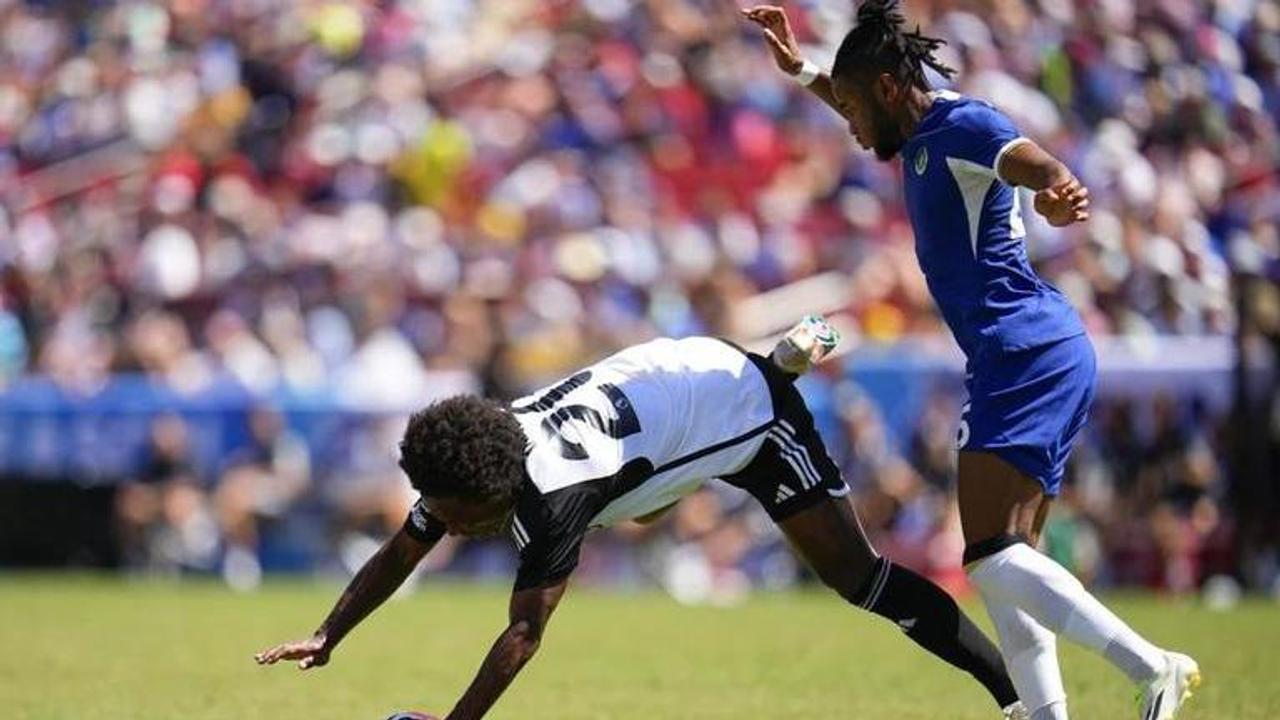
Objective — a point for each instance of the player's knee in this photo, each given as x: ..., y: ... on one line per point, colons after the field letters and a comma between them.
x: 527, y: 637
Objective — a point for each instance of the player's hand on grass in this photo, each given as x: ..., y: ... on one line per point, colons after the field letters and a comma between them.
x: 312, y: 652
x: 777, y: 31
x: 1064, y: 204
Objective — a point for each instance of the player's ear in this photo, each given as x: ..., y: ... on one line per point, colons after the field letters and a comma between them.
x: 886, y: 88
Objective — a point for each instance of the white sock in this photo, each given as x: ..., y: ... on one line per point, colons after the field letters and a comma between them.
x: 1053, y: 711
x: 1031, y: 656
x: 1020, y: 576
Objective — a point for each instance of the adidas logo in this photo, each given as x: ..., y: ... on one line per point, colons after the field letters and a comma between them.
x: 784, y: 493
x: 906, y: 624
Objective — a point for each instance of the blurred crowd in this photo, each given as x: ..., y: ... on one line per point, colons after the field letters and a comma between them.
x: 1145, y: 504
x: 355, y: 195
x: 285, y: 191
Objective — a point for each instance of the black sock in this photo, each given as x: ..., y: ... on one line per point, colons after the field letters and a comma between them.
x: 931, y: 618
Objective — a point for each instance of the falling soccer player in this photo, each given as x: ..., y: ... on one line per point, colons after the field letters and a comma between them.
x: 625, y: 439
x: 1031, y: 367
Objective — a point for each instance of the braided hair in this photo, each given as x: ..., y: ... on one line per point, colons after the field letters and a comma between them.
x: 879, y: 43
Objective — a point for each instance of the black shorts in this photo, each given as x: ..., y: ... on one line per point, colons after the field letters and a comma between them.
x: 792, y: 470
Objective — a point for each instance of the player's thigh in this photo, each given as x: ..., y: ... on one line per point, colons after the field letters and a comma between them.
x: 996, y: 498
x: 829, y: 537
x: 798, y: 484
x: 1025, y: 411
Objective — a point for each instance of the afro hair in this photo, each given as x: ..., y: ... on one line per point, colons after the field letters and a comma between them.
x: 464, y: 447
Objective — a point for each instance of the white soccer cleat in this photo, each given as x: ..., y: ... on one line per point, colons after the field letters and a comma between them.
x: 1017, y: 711
x: 1162, y: 697
x: 805, y: 345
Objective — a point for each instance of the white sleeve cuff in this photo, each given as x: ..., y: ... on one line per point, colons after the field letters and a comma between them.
x: 995, y: 166
x: 809, y: 72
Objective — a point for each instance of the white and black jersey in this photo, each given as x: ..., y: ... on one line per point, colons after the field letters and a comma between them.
x: 645, y: 427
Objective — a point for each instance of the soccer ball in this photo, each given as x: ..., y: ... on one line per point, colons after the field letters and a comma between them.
x: 410, y: 715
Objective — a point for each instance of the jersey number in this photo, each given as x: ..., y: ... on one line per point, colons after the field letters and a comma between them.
x: 620, y: 424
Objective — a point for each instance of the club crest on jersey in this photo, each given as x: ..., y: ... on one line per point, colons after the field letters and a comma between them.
x: 922, y: 160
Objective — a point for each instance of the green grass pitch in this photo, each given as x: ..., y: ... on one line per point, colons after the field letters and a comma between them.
x: 86, y: 648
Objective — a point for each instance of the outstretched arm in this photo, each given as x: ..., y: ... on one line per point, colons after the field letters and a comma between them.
x: 380, y: 576
x: 786, y: 52
x: 1060, y: 197
x: 530, y: 610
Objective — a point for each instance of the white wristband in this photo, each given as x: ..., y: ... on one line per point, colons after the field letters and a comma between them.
x: 808, y: 73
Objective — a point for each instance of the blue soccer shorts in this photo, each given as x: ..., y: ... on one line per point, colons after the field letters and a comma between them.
x: 1028, y: 406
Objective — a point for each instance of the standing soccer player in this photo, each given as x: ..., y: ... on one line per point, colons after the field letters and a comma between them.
x: 1030, y: 374
x: 625, y: 439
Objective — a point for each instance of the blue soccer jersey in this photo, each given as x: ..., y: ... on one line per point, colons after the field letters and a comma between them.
x: 969, y: 231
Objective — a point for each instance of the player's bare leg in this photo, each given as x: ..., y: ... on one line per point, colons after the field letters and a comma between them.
x: 1029, y: 596
x: 830, y: 538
